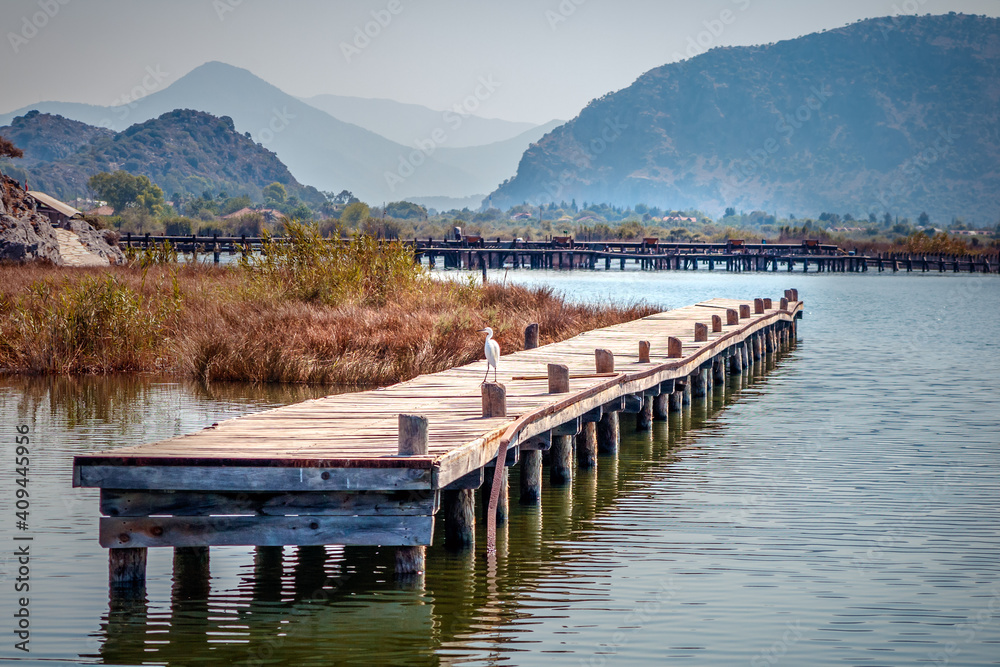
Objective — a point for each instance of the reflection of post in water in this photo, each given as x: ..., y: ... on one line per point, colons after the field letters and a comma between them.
x: 125, y: 627
x: 309, y: 574
x: 267, y: 572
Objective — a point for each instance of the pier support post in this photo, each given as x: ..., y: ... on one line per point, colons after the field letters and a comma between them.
x: 586, y: 446
x: 127, y: 572
x: 644, y: 420
x: 561, y: 462
x: 661, y: 406
x: 411, y: 441
x: 531, y: 477
x: 486, y: 490
x: 736, y: 362
x: 459, y: 508
x: 676, y: 400
x: 719, y: 370
x: 608, y: 435
x: 698, y: 384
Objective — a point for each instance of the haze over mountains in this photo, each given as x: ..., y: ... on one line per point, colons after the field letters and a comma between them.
x: 321, y: 150
x: 899, y: 114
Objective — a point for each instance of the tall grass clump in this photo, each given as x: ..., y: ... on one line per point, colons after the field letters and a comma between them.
x: 97, y: 324
x: 304, y: 266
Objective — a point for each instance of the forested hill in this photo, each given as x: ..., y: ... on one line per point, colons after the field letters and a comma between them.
x: 900, y: 114
x: 182, y: 151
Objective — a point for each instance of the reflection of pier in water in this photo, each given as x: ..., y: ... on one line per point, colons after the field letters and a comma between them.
x: 346, y: 602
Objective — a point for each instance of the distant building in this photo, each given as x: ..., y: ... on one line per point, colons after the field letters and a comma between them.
x: 268, y: 213
x: 58, y: 213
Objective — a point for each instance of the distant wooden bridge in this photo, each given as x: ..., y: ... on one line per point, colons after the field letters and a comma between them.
x: 375, y: 467
x: 564, y: 253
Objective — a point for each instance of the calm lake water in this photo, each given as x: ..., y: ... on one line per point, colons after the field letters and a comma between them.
x: 843, y: 509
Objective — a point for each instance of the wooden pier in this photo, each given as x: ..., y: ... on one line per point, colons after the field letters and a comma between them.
x: 476, y: 253
x: 377, y: 467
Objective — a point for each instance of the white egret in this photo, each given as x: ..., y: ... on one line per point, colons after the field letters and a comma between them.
x: 492, y: 349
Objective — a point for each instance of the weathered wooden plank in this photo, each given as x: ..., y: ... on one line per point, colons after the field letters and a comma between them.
x: 215, y: 478
x: 201, y: 531
x: 120, y: 502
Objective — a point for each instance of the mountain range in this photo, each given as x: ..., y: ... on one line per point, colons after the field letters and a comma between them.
x: 181, y: 151
x: 327, y: 152
x: 898, y: 115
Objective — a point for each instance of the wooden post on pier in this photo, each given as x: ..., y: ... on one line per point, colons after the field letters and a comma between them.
x: 700, y: 332
x: 127, y: 573
x: 716, y: 324
x: 558, y: 378
x: 644, y: 419
x: 676, y: 401
x: 661, y: 404
x: 561, y: 460
x: 675, y: 348
x: 758, y: 306
x: 411, y: 441
x: 531, y: 336
x: 698, y: 384
x: 732, y: 317
x: 736, y: 363
x: 486, y: 492
x: 531, y: 477
x: 494, y: 399
x: 744, y: 311
x: 719, y: 370
x: 643, y: 351
x: 608, y: 435
x: 604, y: 361
x: 586, y: 446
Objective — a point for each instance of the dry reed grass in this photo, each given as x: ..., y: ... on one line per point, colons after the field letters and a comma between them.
x: 227, y: 324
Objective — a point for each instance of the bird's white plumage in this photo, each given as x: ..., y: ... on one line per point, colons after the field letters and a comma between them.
x: 492, y: 350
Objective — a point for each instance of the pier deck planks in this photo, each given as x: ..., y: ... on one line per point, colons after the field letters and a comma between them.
x: 358, y: 430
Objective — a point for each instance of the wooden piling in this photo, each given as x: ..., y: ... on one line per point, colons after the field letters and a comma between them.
x: 531, y: 477
x: 736, y: 363
x: 608, y: 435
x: 643, y: 351
x: 459, y: 508
x: 561, y: 461
x: 700, y: 332
x: 127, y: 572
x: 191, y: 573
x: 644, y: 420
x: 758, y: 306
x: 716, y: 324
x: 661, y: 406
x: 586, y: 446
x: 486, y: 491
x: 732, y: 317
x: 719, y: 370
x: 744, y: 311
x: 698, y: 389
x: 676, y: 401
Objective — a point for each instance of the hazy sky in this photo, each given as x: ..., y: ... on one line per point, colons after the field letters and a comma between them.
x: 543, y: 59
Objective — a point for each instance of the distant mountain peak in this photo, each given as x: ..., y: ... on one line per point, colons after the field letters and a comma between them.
x: 898, y: 114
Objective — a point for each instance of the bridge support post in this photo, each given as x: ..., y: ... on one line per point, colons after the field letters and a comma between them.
x: 561, y: 462
x: 531, y: 477
x: 661, y: 406
x: 719, y: 370
x: 644, y: 420
x: 459, y: 508
x: 736, y: 362
x: 698, y: 384
x: 608, y: 435
x: 127, y: 573
x: 486, y: 490
x: 586, y: 446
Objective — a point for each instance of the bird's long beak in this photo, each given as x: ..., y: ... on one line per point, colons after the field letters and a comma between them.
x: 482, y: 331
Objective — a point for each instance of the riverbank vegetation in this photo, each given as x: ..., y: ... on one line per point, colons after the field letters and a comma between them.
x: 353, y: 312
